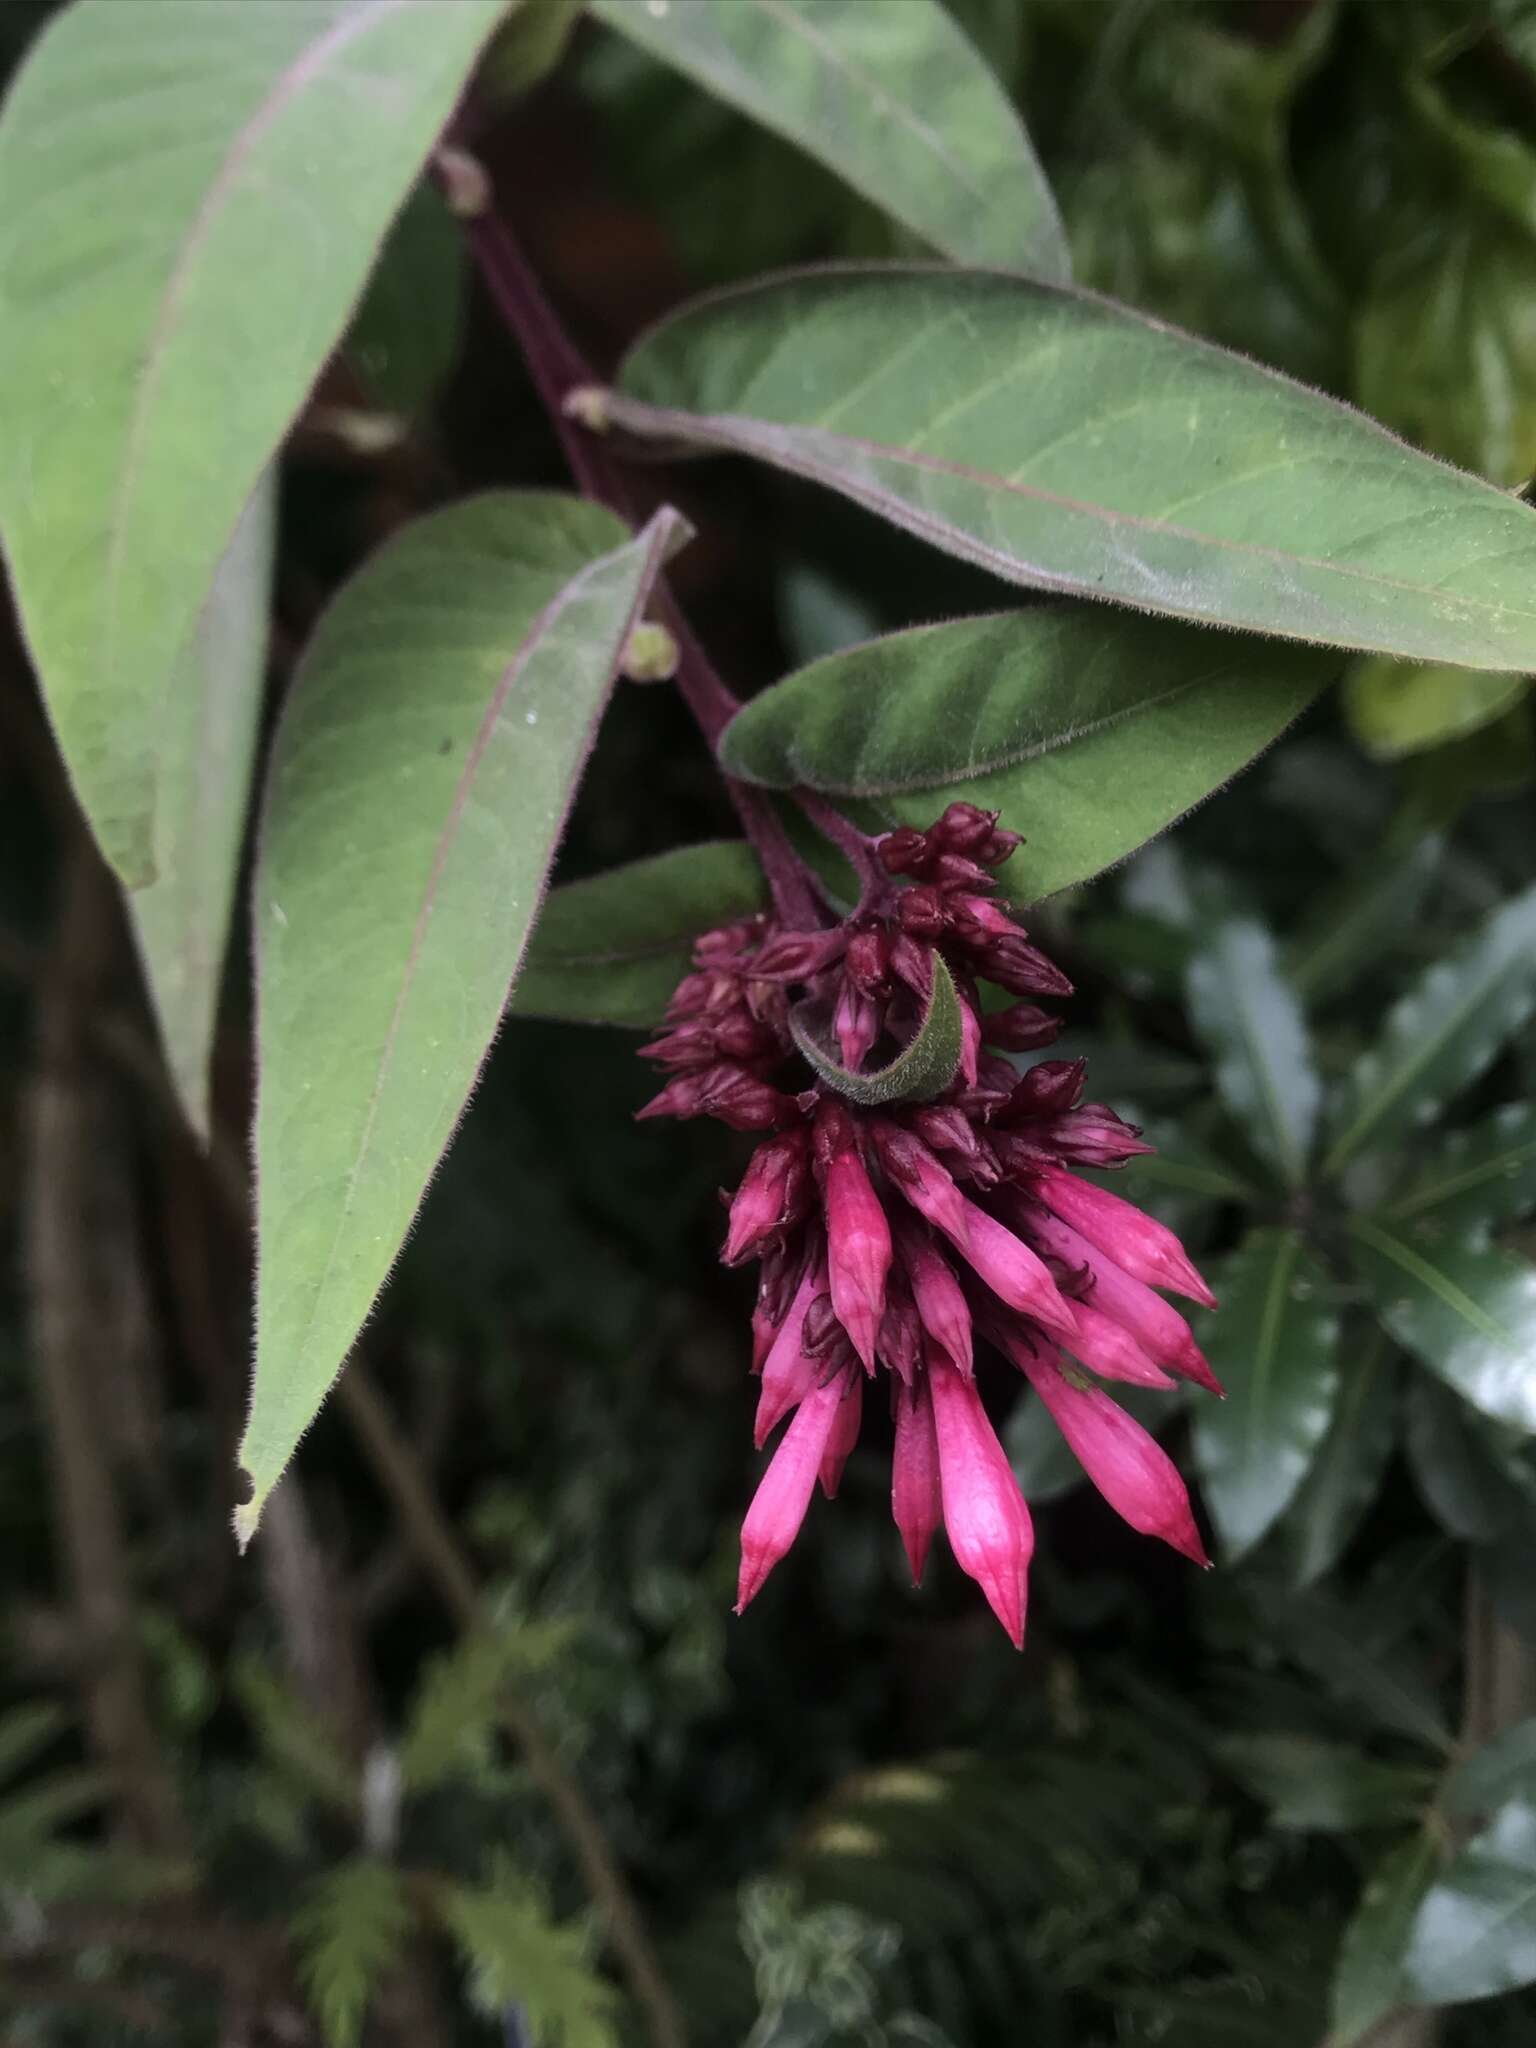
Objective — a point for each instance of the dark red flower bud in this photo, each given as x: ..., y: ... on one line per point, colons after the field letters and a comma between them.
x: 1047, y: 1089
x: 955, y: 871
x: 746, y: 1038
x: 912, y: 964
x: 774, y: 1194
x: 1024, y: 1028
x: 797, y: 956
x: 1021, y: 968
x: 1095, y: 1136
x: 963, y: 827
x: 904, y: 851
x: 920, y: 911
x: 945, y: 1129
x: 868, y: 963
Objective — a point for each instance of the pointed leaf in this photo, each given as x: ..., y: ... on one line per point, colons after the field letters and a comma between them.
x: 923, y: 1068
x: 1475, y: 1933
x: 896, y: 100
x: 1501, y: 1770
x: 1442, y: 1033
x: 1467, y: 1310
x: 1060, y: 440
x: 436, y: 730
x: 348, y: 1933
x: 519, y: 1956
x: 1094, y: 728
x: 1249, y: 1016
x: 1273, y: 1345
x: 193, y: 196
x: 1368, y: 1982
x: 181, y: 921
x: 1348, y: 1469
x: 1479, y: 1179
x: 611, y: 949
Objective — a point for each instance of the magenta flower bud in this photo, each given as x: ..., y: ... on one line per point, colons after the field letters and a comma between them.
x: 784, y: 1492
x: 912, y: 964
x: 964, y: 827
x: 774, y: 1194
x: 940, y: 1302
x: 916, y: 1502
x: 946, y: 1130
x: 1143, y: 1247
x: 982, y: 911
x: 989, y: 1527
x: 858, y: 1235
x: 952, y: 871
x: 970, y: 1042
x: 1021, y: 968
x: 1132, y: 1471
x: 856, y: 1026
x: 901, y: 1332
x: 789, y: 1370
x: 797, y: 956
x: 1110, y: 1350
x: 1095, y: 1136
x: 920, y: 912
x: 845, y: 1434
x: 904, y: 851
x: 868, y: 963
x: 1023, y: 1028
x: 1047, y: 1089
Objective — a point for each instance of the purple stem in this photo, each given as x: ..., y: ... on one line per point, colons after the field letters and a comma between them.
x: 558, y: 368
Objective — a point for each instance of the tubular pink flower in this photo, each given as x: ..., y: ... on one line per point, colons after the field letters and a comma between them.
x: 845, y: 1434
x: 858, y: 1235
x: 984, y: 1512
x: 1146, y: 1249
x: 941, y: 1304
x: 772, y: 1194
x: 856, y: 1026
x: 1110, y: 1349
x: 788, y: 1373
x: 916, y: 1501
x: 784, y: 1492
x: 1132, y: 1471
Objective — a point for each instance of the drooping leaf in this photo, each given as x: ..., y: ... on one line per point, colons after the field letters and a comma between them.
x: 1400, y: 707
x: 1059, y: 440
x: 1477, y: 1179
x: 895, y: 100
x: 436, y: 730
x: 1273, y: 1345
x: 1330, y: 1787
x: 181, y: 921
x: 1089, y: 730
x: 405, y: 336
x: 519, y: 1956
x: 1475, y: 1932
x: 611, y: 949
x: 1369, y: 1982
x: 1467, y: 1310
x: 1462, y: 1480
x: 1347, y: 1470
x: 923, y: 1068
x: 1249, y: 1016
x: 1441, y: 1034
x: 348, y: 1933
x: 193, y: 196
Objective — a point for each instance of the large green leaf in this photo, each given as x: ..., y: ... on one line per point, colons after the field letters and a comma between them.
x: 1368, y: 1983
x: 181, y: 921
x: 1249, y: 1016
x: 1400, y: 707
x: 1089, y: 730
x: 611, y: 949
x: 192, y: 196
x: 1475, y: 1934
x: 1347, y: 1470
x: 436, y: 729
x: 1467, y: 1310
x: 894, y: 99
x: 1273, y: 1345
x: 1442, y: 1033
x: 1478, y: 1179
x: 1061, y: 440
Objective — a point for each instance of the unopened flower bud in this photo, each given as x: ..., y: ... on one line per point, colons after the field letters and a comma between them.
x: 858, y: 1235
x: 916, y: 1502
x: 920, y: 911
x: 1023, y: 1028
x: 784, y: 1492
x: 844, y: 1435
x: 774, y: 1193
x: 904, y: 851
x: 984, y: 1513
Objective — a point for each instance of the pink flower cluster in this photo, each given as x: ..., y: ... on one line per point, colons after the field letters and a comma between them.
x: 896, y: 1237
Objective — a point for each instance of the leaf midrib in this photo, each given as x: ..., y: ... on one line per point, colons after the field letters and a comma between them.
x: 1439, y: 1283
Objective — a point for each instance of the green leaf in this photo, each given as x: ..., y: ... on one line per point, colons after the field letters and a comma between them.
x: 1249, y: 1016
x: 1273, y: 1346
x: 611, y: 949
x: 518, y: 1956
x: 1330, y: 1787
x: 405, y: 338
x: 1060, y: 440
x: 1093, y: 728
x: 433, y: 739
x: 1400, y: 707
x: 194, y: 194
x: 1368, y: 1982
x: 1366, y: 913
x: 1478, y: 1179
x: 1475, y: 1933
x: 457, y: 1702
x: 25, y: 1730
x: 1442, y: 1034
x: 1501, y: 1770
x: 1347, y: 1471
x: 300, y: 1747
x: 896, y: 101
x: 348, y: 1933
x: 1467, y: 1310
x: 923, y: 1068
x: 1457, y: 1469
x: 181, y: 921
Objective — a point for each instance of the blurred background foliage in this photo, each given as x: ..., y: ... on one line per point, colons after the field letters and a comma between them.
x: 276, y: 1799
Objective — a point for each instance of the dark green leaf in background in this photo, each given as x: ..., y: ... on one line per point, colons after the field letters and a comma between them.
x: 1273, y: 1345
x: 894, y: 99
x: 1475, y: 1933
x: 612, y: 948
x: 1369, y: 1982
x: 1061, y: 441
x: 145, y: 153
x: 1401, y: 707
x: 1251, y: 1020
x: 1477, y: 1179
x: 1347, y: 1471
x: 1366, y: 913
x: 1089, y: 730
x: 431, y: 743
x: 1331, y: 1787
x: 1502, y: 1770
x: 1468, y: 1310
